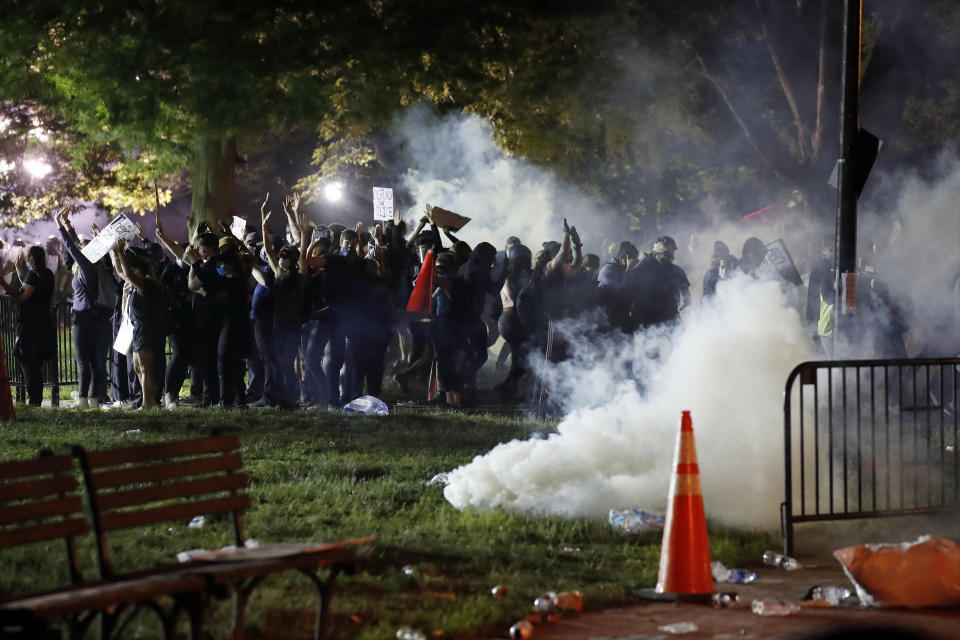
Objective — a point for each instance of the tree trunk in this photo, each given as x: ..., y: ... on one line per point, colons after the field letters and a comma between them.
x: 214, y: 178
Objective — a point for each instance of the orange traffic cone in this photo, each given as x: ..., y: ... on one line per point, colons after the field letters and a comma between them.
x: 421, y: 300
x: 685, y: 554
x: 6, y: 400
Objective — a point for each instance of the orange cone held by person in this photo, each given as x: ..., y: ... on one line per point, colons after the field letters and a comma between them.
x: 685, y: 554
x: 421, y: 300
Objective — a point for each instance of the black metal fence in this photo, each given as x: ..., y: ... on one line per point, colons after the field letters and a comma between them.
x: 61, y: 371
x: 870, y: 438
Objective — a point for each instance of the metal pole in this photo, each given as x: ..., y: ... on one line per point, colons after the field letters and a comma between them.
x: 846, y: 253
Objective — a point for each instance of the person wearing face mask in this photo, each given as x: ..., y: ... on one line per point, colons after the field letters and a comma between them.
x: 657, y: 288
x: 722, y: 265
x: 36, y: 328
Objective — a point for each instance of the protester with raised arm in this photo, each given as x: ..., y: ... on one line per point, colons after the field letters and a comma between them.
x: 94, y: 299
x: 144, y: 298
x: 287, y: 293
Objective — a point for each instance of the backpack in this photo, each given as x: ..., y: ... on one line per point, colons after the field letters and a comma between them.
x: 106, y: 288
x: 530, y: 300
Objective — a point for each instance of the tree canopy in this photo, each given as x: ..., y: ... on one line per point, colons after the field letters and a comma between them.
x: 647, y: 105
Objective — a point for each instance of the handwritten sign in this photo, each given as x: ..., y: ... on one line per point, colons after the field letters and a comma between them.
x: 120, y: 227
x: 779, y: 258
x: 382, y: 203
x: 238, y: 227
x: 446, y: 219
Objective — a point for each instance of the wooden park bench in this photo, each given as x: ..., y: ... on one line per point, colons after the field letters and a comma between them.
x: 39, y: 502
x: 142, y: 486
x: 177, y: 481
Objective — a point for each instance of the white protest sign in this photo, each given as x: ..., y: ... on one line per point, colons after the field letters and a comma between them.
x: 778, y: 256
x: 239, y: 227
x: 382, y: 203
x: 102, y: 243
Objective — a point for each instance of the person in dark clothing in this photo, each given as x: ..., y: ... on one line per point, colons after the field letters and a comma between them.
x: 143, y: 297
x: 722, y: 264
x: 454, y: 312
x: 477, y: 274
x: 511, y: 327
x: 91, y: 314
x: 36, y: 327
x: 657, y: 288
x: 206, y: 387
x: 610, y: 293
x: 287, y: 293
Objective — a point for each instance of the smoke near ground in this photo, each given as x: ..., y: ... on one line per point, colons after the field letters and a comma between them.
x: 614, y: 449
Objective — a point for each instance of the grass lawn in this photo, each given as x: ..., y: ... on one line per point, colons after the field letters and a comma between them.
x: 326, y: 476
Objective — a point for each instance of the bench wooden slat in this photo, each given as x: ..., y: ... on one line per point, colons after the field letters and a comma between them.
x: 113, y: 457
x: 51, y: 531
x: 104, y: 595
x: 35, y: 467
x: 37, y: 488
x: 166, y: 471
x: 183, y: 511
x: 146, y: 495
x: 40, y: 510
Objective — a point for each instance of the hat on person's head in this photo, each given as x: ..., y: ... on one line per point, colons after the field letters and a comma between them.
x: 207, y: 240
x: 254, y: 237
x: 225, y: 241
x: 289, y: 251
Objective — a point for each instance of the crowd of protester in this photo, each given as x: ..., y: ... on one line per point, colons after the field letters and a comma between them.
x: 317, y: 316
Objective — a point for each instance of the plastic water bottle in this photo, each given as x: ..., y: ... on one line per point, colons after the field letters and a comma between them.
x: 406, y: 633
x: 774, y: 608
x: 774, y: 559
x: 546, y: 602
x: 521, y: 631
x: 830, y: 595
x: 569, y: 601
x: 735, y: 576
x: 727, y: 599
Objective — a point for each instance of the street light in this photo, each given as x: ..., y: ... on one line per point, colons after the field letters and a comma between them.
x: 37, y: 167
x: 333, y: 191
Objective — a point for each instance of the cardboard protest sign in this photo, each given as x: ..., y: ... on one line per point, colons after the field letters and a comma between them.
x: 120, y: 227
x: 382, y: 203
x: 448, y: 219
x: 779, y: 258
x: 238, y: 227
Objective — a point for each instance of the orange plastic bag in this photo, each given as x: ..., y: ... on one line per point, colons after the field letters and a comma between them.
x: 925, y: 573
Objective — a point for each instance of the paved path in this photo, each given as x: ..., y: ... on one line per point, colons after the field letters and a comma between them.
x: 641, y: 622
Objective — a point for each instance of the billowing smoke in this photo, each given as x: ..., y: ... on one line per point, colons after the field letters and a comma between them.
x: 614, y: 449
x: 456, y: 164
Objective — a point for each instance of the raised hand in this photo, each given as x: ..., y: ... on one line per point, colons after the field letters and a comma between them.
x: 575, y: 237
x: 378, y: 234
x: 291, y: 204
x: 94, y: 228
x: 140, y: 232
x: 264, y: 212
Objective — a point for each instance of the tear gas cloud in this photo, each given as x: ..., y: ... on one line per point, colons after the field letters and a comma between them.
x: 614, y: 449
x: 456, y: 164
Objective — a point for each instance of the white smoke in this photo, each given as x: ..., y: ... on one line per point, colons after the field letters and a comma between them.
x: 727, y: 364
x: 456, y: 164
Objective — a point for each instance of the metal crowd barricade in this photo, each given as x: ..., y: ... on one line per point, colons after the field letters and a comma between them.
x: 868, y: 439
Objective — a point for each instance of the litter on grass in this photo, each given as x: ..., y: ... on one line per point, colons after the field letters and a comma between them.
x: 635, y: 520
x: 367, y: 406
